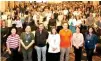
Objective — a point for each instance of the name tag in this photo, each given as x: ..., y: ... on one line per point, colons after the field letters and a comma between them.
x: 88, y: 41
x: 26, y: 40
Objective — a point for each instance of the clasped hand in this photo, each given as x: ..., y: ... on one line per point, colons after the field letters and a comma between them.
x: 26, y: 47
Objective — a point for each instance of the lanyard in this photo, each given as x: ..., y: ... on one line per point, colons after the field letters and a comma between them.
x: 89, y: 38
x: 27, y: 37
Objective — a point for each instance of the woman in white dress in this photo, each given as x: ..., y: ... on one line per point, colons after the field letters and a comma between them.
x: 54, y: 45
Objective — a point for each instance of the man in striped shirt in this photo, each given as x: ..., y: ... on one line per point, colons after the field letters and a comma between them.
x: 13, y: 45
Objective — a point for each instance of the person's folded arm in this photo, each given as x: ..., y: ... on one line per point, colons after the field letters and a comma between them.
x: 82, y: 41
x: 19, y: 45
x: 7, y: 43
x: 30, y: 44
x: 22, y: 43
x: 8, y: 49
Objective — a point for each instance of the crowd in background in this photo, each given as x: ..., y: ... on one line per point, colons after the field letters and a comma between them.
x: 34, y: 23
x: 52, y: 14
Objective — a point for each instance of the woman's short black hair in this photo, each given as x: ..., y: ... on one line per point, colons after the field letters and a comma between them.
x: 14, y: 28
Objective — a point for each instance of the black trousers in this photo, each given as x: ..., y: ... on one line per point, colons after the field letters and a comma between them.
x: 14, y: 56
x: 78, y: 53
x: 89, y: 54
x: 53, y: 57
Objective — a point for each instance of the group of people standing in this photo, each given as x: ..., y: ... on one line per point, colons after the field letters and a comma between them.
x: 58, y: 43
x: 58, y: 27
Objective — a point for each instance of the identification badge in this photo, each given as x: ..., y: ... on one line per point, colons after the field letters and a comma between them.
x: 26, y: 40
x: 88, y: 41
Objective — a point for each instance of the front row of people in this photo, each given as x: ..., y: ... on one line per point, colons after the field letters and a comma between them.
x: 58, y: 43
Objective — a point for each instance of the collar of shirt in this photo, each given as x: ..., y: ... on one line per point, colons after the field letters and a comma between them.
x: 13, y: 35
x: 17, y: 20
x: 65, y: 30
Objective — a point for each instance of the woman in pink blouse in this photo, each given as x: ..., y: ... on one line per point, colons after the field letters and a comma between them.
x: 77, y: 41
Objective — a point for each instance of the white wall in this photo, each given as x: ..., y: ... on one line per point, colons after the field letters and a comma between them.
x: 2, y: 6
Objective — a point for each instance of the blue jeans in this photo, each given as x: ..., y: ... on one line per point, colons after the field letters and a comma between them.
x: 39, y: 50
